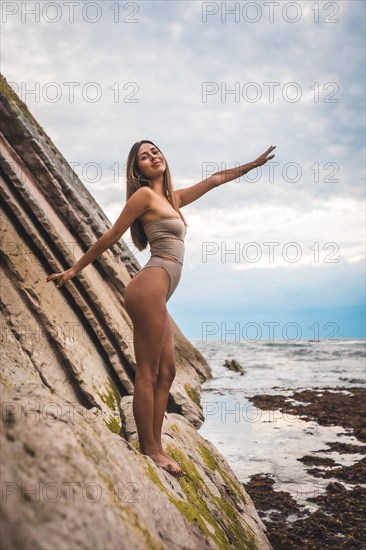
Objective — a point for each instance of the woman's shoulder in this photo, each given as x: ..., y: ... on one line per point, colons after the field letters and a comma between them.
x: 143, y: 195
x: 144, y: 191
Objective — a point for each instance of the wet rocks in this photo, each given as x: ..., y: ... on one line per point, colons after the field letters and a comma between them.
x: 234, y: 366
x: 339, y: 523
x: 329, y: 407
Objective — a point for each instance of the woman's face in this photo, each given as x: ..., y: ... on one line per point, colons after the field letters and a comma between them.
x: 150, y: 161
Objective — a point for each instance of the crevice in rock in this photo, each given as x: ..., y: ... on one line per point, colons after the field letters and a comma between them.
x: 17, y: 336
x: 173, y: 407
x: 84, y: 399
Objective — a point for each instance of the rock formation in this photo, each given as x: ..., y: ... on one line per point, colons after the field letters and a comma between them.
x: 72, y: 475
x: 234, y: 365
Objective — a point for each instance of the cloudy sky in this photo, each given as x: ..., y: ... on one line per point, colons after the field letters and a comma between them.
x: 214, y: 84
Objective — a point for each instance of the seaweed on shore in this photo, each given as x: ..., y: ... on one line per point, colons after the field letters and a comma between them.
x: 329, y: 407
x: 339, y: 522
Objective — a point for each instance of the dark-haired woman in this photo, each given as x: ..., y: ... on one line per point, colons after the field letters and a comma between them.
x: 152, y: 212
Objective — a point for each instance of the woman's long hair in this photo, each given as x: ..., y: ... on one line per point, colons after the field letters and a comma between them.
x: 135, y: 180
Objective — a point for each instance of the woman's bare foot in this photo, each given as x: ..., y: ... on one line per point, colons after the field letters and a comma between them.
x: 161, y: 451
x: 166, y: 463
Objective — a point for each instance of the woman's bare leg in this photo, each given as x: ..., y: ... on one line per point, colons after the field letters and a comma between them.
x: 145, y: 301
x: 165, y: 379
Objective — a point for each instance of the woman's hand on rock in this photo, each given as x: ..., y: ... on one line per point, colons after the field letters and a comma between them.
x: 62, y: 277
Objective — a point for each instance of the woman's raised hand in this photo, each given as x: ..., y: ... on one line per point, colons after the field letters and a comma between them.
x: 264, y: 158
x: 63, y: 277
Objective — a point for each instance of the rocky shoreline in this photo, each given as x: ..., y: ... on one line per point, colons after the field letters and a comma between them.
x: 339, y: 521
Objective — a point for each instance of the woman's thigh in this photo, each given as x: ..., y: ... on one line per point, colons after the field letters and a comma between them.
x: 145, y: 302
x: 147, y: 284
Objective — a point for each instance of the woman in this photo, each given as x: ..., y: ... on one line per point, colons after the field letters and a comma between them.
x: 152, y: 211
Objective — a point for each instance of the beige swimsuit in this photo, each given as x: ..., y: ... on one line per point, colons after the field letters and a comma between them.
x: 166, y: 239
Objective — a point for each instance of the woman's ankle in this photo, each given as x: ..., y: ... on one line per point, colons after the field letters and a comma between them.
x: 149, y: 450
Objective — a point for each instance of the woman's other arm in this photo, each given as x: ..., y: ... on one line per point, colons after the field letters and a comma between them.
x: 190, y: 194
x: 136, y: 205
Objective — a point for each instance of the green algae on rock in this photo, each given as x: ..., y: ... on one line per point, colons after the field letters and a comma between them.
x: 193, y: 394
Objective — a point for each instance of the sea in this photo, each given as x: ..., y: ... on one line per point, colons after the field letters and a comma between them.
x: 256, y: 441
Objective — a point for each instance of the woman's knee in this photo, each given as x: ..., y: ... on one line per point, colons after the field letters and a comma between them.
x: 147, y: 374
x: 167, y: 372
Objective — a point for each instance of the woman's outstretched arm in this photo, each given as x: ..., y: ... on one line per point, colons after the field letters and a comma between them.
x: 136, y: 205
x: 190, y: 194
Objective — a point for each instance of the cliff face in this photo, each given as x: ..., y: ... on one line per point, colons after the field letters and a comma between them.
x: 79, y: 339
x: 73, y: 477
